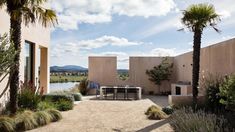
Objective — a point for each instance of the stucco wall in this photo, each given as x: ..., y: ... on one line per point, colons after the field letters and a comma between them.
x: 218, y: 59
x: 104, y: 71
x: 215, y: 59
x: 36, y: 34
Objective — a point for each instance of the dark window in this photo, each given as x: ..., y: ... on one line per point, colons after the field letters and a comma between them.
x: 28, y: 62
x: 177, y: 90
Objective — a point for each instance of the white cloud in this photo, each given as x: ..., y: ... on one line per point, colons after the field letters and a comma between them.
x: 74, y: 47
x: 106, y: 40
x: 173, y: 22
x: 163, y: 52
x: 72, y: 12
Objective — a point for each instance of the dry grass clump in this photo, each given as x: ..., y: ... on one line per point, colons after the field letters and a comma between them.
x: 7, y: 124
x: 55, y: 115
x: 25, y: 121
x: 155, y: 112
x: 42, y: 118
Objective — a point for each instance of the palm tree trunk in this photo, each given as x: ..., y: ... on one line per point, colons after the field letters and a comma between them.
x: 196, y: 64
x: 15, y: 30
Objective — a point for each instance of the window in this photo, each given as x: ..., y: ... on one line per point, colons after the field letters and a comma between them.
x: 28, y: 62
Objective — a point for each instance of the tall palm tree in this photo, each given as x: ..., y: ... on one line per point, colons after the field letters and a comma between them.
x: 26, y: 12
x: 196, y: 18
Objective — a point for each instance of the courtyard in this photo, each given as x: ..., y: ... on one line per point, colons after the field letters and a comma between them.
x: 93, y: 115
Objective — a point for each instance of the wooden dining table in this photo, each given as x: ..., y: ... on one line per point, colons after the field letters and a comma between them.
x: 102, y: 88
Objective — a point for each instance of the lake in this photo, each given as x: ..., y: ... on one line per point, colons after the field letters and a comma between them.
x: 62, y: 86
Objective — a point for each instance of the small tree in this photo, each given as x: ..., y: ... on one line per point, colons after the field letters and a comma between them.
x: 227, y: 90
x: 161, y: 72
x: 7, y: 55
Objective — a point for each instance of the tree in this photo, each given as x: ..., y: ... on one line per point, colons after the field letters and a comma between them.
x: 23, y: 11
x: 196, y: 18
x: 7, y: 55
x: 161, y: 72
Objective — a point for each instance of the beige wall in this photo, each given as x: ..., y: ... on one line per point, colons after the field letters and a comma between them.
x: 104, y: 71
x: 218, y: 59
x: 215, y: 59
x: 41, y: 38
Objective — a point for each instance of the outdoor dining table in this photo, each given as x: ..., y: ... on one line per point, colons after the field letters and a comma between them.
x: 115, y: 90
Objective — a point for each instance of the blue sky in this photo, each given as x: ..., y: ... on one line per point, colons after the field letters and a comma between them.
x: 126, y: 28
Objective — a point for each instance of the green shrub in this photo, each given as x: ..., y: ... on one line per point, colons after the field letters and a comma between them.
x: 43, y: 105
x: 56, y: 97
x: 211, y: 84
x: 77, y: 96
x: 64, y: 105
x: 227, y: 89
x: 27, y: 99
x: 42, y: 117
x: 7, y: 124
x: 168, y: 110
x: 155, y: 113
x: 185, y: 120
x: 55, y: 115
x: 83, y: 86
x: 25, y: 121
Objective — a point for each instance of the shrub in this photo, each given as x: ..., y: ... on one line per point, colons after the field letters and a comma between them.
x: 185, y: 120
x: 211, y: 84
x: 83, y: 86
x: 43, y: 105
x: 25, y: 121
x: 227, y: 89
x: 77, y: 96
x: 7, y: 124
x: 42, y: 117
x: 27, y: 99
x: 155, y: 113
x: 56, y: 97
x: 64, y: 105
x: 55, y: 114
x: 168, y: 110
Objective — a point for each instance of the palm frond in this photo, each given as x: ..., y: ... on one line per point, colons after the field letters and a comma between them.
x: 200, y: 16
x: 2, y: 3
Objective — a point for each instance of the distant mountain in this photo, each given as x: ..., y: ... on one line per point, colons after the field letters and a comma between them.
x: 74, y: 68
x: 67, y: 68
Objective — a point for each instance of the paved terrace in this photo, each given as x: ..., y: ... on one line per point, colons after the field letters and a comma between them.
x: 108, y: 115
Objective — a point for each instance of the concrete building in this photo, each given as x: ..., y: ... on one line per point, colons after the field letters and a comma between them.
x: 34, y: 57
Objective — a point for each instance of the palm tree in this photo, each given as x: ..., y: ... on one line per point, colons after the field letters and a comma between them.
x: 26, y: 12
x: 196, y: 18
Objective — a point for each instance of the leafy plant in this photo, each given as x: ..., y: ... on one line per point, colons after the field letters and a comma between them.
x: 212, y: 84
x: 42, y: 117
x: 27, y: 98
x: 64, y: 105
x: 26, y: 121
x: 186, y: 120
x: 43, y: 105
x: 77, y: 96
x: 7, y: 124
x: 227, y: 89
x: 155, y: 113
x: 55, y: 114
x: 160, y: 73
x: 83, y: 86
x: 168, y: 110
x: 57, y: 96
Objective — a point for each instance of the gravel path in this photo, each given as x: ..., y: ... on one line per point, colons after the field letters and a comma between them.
x: 108, y: 116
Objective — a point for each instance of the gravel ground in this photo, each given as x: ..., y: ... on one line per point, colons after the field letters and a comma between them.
x: 108, y: 116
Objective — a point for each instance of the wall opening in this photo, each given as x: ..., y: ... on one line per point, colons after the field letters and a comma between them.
x: 123, y: 68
